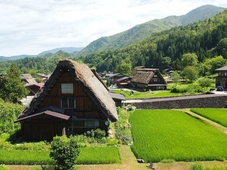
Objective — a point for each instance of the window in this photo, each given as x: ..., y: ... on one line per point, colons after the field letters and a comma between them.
x: 67, y: 88
x: 91, y: 123
x: 155, y: 75
x: 68, y: 103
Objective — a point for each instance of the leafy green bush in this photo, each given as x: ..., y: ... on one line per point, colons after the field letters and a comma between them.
x: 123, y: 127
x: 179, y: 89
x: 8, y: 114
x: 64, y: 151
x: 193, y: 88
x: 97, y: 133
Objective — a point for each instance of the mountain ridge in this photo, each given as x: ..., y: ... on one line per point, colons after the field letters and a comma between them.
x: 141, y: 31
x: 134, y: 34
x: 70, y: 50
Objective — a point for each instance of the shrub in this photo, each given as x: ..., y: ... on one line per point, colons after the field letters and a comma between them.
x: 178, y: 90
x: 123, y: 127
x: 99, y: 134
x: 64, y: 151
x: 194, y: 89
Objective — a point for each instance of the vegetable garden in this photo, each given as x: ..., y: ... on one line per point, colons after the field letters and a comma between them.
x: 171, y: 134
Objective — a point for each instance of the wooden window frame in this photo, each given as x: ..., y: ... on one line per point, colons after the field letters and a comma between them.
x: 67, y: 88
x: 91, y: 123
x: 68, y: 103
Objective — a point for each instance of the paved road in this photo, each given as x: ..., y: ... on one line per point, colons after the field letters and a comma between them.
x: 173, y: 98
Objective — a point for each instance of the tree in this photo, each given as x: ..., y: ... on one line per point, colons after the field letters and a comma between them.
x: 212, y: 64
x: 222, y: 47
x: 11, y: 88
x: 64, y: 151
x: 191, y: 73
x: 189, y: 59
x: 175, y: 77
x: 8, y: 114
x: 205, y: 82
x: 124, y: 69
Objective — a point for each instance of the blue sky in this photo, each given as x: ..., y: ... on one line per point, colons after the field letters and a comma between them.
x: 31, y: 26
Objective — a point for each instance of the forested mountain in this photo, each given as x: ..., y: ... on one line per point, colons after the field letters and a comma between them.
x: 141, y: 31
x: 70, y: 50
x: 2, y: 58
x: 43, y: 64
x: 207, y: 39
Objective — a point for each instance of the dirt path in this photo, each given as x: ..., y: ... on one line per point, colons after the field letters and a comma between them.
x: 128, y: 162
x: 207, y: 121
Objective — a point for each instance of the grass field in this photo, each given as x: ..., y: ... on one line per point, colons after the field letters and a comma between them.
x: 88, y: 155
x: 99, y: 155
x: 171, y: 134
x: 215, y: 114
x: 149, y: 94
x: 25, y: 157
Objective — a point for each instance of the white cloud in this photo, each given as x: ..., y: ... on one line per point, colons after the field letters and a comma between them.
x: 30, y: 27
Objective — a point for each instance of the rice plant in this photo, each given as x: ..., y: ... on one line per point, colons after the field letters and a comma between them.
x: 218, y: 115
x: 171, y: 134
x: 98, y: 155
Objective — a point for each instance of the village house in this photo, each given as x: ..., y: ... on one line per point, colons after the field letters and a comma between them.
x: 44, y: 77
x: 145, y: 79
x: 30, y: 84
x: 27, y: 78
x: 72, y: 101
x: 221, y: 79
x: 123, y: 82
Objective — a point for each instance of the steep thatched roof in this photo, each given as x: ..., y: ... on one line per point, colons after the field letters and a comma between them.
x: 28, y: 78
x: 143, y: 75
x: 89, y: 83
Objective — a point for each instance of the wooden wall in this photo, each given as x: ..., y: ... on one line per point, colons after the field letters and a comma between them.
x: 46, y: 127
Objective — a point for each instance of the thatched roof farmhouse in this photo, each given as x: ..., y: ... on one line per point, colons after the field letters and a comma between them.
x: 72, y: 101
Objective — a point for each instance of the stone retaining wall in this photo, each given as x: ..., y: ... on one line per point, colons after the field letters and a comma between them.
x: 208, y: 101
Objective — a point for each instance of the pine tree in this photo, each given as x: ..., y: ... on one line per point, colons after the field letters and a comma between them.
x: 11, y: 87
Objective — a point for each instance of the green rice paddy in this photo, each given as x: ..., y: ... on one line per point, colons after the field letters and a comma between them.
x: 88, y: 155
x: 171, y: 134
x: 214, y: 114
